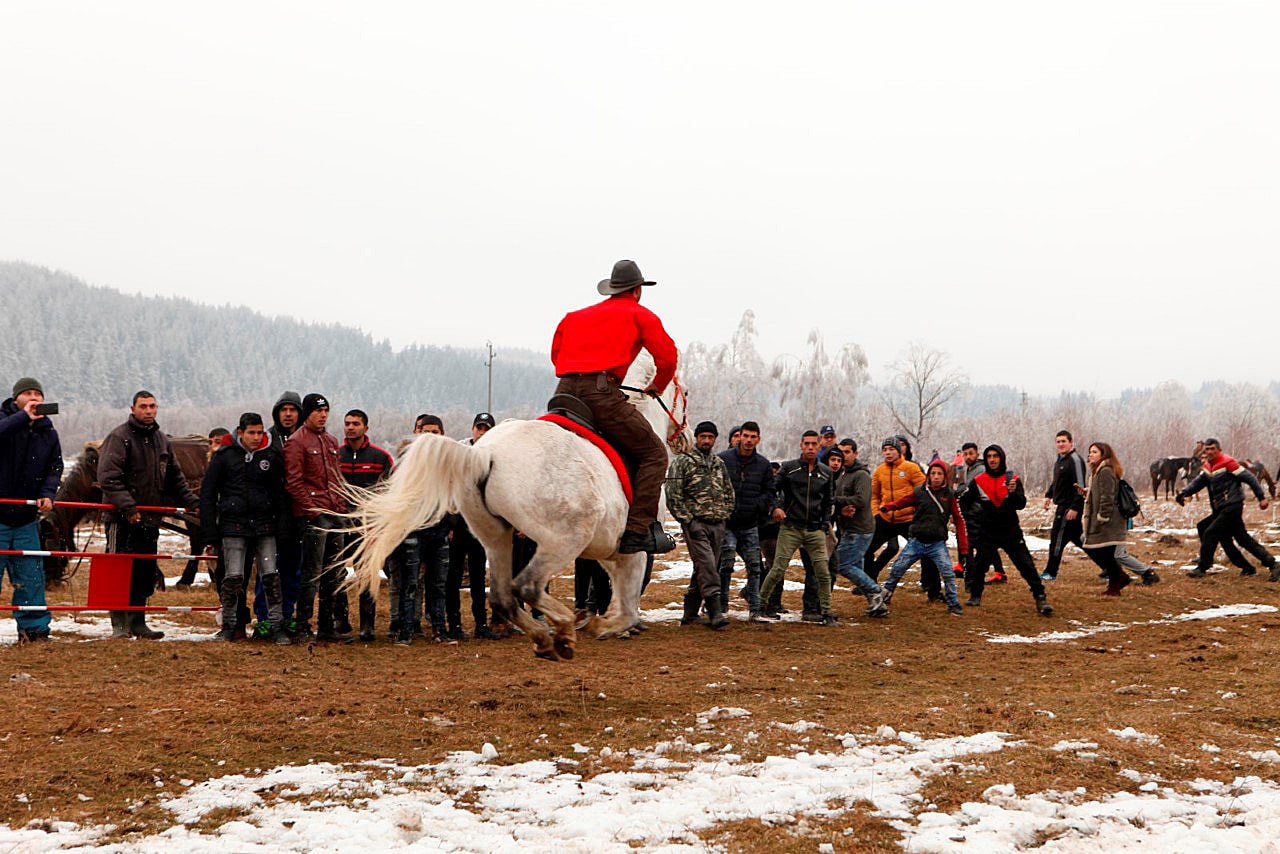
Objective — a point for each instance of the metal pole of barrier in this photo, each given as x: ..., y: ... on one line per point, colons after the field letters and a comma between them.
x: 92, y: 505
x: 148, y: 608
x: 43, y: 553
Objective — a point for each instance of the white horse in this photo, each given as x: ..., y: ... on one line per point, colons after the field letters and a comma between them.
x: 535, y: 477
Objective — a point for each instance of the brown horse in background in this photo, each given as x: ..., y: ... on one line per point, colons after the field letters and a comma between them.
x: 80, y: 483
x: 1261, y: 473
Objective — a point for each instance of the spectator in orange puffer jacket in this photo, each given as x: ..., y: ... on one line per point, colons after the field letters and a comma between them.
x: 894, y: 478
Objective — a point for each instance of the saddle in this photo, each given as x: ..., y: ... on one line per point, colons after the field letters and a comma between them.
x: 570, y: 413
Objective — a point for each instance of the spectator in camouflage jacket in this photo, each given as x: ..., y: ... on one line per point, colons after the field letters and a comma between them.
x: 700, y: 496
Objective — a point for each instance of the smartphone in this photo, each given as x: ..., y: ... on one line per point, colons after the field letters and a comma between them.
x: 46, y: 409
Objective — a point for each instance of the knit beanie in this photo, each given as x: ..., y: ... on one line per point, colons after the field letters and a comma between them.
x: 706, y: 427
x: 312, y: 402
x: 27, y: 384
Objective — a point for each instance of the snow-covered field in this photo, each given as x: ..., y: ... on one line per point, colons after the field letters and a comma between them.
x: 661, y: 798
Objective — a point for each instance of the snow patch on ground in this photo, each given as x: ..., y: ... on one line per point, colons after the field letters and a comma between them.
x: 667, y: 795
x: 98, y: 627
x: 1221, y: 612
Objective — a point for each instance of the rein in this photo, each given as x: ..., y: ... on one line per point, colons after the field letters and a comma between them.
x: 678, y: 399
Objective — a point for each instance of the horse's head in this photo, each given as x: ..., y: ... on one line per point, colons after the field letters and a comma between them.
x: 668, y: 414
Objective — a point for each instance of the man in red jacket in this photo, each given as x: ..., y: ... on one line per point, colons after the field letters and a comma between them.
x: 592, y: 350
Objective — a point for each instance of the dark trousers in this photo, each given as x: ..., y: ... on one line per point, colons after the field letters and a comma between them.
x: 1064, y: 531
x: 629, y: 432
x: 592, y: 590
x: 987, y: 555
x: 703, y: 540
x: 289, y: 563
x: 124, y: 538
x: 1105, y: 558
x: 886, y: 534
x: 321, y: 572
x: 465, y: 553
x: 433, y: 578
x: 1221, y: 528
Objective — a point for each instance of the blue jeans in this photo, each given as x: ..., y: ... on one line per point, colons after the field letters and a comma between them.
x: 26, y: 574
x: 914, y: 551
x: 849, y: 555
x: 747, y: 544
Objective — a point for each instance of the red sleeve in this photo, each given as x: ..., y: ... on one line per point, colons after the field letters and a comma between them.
x: 294, y: 485
x: 962, y: 533
x: 654, y: 338
x: 908, y: 500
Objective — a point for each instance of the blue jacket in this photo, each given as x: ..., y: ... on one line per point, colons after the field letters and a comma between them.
x: 753, y: 492
x: 30, y: 462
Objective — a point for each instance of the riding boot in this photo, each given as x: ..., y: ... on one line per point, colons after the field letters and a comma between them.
x: 341, y: 613
x: 231, y: 587
x: 715, y: 614
x: 120, y: 624
x: 692, y: 602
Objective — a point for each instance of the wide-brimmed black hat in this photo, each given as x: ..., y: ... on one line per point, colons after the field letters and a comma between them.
x: 626, y: 275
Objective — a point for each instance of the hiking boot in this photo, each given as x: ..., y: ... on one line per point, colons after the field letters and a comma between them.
x: 974, y: 602
x: 225, y: 634
x: 281, y: 638
x: 955, y: 610
x: 1275, y: 572
x: 443, y: 639
x: 760, y: 617
x: 1149, y: 578
x: 1044, y: 576
x: 1043, y: 606
x: 1247, y: 571
x: 997, y: 578
x: 811, y: 617
x: 139, y: 629
x: 1198, y: 572
x: 933, y: 596
x: 692, y: 604
x: 830, y: 619
x: 120, y: 624
x: 334, y: 637
x: 486, y: 633
x: 715, y: 615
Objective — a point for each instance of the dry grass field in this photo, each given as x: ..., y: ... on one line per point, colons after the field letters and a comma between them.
x: 101, y: 732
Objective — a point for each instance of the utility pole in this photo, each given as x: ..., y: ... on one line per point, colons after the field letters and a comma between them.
x: 489, y: 364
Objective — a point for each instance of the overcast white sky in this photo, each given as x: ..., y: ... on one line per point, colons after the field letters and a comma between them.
x: 1014, y: 182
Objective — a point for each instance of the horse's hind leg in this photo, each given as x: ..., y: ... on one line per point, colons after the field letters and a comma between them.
x: 531, y: 586
x: 626, y: 573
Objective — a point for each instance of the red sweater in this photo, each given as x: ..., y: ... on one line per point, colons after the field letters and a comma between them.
x: 608, y: 336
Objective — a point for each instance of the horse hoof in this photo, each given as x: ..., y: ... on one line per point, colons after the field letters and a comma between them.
x: 546, y: 654
x: 564, y: 648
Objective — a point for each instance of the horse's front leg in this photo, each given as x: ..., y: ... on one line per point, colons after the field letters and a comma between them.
x: 626, y: 573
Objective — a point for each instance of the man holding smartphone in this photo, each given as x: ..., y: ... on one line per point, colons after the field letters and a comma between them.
x: 30, y: 469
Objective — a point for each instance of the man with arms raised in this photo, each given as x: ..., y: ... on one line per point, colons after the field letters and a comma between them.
x: 592, y: 350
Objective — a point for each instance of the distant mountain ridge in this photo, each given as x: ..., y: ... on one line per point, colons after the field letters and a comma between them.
x: 96, y: 346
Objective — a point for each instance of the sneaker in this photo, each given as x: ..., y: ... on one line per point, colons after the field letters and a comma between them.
x: 1149, y: 578
x: 760, y: 617
x: 1043, y: 606
x: 875, y: 602
x: 1247, y: 571
x: 457, y: 634
x: 771, y: 615
x: 997, y: 578
x: 882, y: 611
x: 334, y: 637
x: 281, y: 638
x: 403, y: 640
x: 443, y: 639
x: 933, y: 596
x: 811, y: 617
x: 974, y: 602
x: 1044, y: 576
x: 1198, y: 572
x: 366, y: 636
x: 486, y: 633
x: 148, y: 633
x: 1275, y: 572
x: 830, y: 619
x: 886, y: 594
x: 225, y: 634
x: 955, y: 610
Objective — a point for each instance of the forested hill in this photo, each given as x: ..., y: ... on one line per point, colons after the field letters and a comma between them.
x: 96, y: 346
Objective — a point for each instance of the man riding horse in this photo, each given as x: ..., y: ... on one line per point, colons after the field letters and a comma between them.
x: 592, y: 350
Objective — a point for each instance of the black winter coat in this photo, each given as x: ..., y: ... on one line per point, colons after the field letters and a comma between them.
x: 992, y: 523
x: 243, y: 494
x: 30, y: 462
x: 753, y: 493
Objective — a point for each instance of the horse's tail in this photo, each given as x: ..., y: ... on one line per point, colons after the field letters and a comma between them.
x: 424, y: 486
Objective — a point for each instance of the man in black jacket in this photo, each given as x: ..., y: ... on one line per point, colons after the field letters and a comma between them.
x: 1068, y: 473
x: 136, y: 467
x: 242, y: 505
x: 752, y: 479
x: 804, y: 496
x: 285, y: 416
x: 31, y: 470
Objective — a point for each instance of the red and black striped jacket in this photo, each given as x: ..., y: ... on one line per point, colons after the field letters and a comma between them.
x: 365, y: 465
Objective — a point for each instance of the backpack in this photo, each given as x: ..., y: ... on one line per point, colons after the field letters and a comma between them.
x: 1127, y: 500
